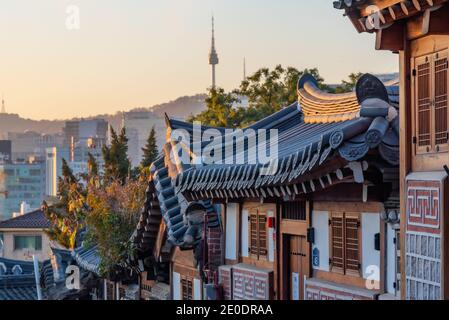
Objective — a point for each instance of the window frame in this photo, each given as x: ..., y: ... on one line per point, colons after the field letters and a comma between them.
x: 432, y: 59
x: 36, y: 247
x: 343, y: 268
x: 260, y: 253
x: 187, y: 283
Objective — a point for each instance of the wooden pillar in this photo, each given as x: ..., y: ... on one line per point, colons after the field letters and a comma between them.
x: 405, y: 141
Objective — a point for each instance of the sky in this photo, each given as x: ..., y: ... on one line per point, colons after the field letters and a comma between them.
x: 137, y: 53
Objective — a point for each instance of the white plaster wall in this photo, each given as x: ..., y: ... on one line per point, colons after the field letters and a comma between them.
x: 320, y: 222
x: 391, y: 259
x: 176, y: 284
x: 26, y: 254
x: 370, y: 257
x: 245, y: 230
x: 231, y: 231
x: 196, y: 289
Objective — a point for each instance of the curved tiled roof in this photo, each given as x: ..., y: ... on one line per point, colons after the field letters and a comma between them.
x: 87, y: 258
x: 17, y: 286
x: 320, y: 107
x: 303, y: 146
x: 32, y: 220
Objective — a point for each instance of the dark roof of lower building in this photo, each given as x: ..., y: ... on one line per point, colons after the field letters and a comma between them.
x: 32, y: 220
x: 18, y: 282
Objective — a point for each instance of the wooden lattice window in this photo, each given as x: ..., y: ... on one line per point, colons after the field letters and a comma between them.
x: 187, y: 288
x: 441, y: 129
x: 423, y: 103
x: 431, y: 103
x: 295, y: 210
x: 258, y: 235
x: 345, y: 243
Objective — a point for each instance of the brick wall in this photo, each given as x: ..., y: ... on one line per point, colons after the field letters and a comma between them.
x: 214, y: 244
x: 225, y: 279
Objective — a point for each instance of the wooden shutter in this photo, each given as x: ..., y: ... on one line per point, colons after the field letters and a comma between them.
x: 352, y: 250
x: 440, y: 63
x: 337, y: 242
x: 422, y: 74
x: 263, y: 251
x: 258, y: 234
x: 187, y: 288
x: 253, y: 233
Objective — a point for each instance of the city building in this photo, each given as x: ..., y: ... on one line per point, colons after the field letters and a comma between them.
x: 19, y: 182
x: 76, y: 159
x: 80, y: 132
x: 24, y: 236
x: 30, y: 143
x: 418, y: 31
x: 138, y: 125
x: 5, y: 151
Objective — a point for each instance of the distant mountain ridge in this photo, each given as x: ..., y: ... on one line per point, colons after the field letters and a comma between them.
x: 180, y: 108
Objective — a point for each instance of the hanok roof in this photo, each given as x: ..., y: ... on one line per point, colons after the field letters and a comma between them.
x: 304, y: 147
x: 32, y: 220
x: 384, y: 13
x: 88, y: 259
x: 18, y: 283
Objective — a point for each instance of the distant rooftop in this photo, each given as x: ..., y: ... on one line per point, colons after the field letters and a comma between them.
x: 32, y: 220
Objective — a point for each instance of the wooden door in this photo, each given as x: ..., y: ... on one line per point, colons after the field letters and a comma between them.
x: 298, y: 256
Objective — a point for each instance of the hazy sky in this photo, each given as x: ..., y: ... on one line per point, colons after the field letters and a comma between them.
x: 137, y: 53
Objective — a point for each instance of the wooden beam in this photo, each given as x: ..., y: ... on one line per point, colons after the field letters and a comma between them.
x: 433, y: 21
x: 392, y: 12
x: 416, y: 5
x: 404, y: 7
x: 390, y: 38
x: 438, y: 23
x: 417, y: 26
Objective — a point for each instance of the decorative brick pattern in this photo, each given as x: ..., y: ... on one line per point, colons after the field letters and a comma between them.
x: 317, y: 291
x: 423, y: 206
x: 423, y: 240
x: 243, y: 282
x: 250, y: 284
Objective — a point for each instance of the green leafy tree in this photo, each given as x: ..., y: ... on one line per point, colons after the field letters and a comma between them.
x: 92, y: 165
x: 67, y: 216
x: 348, y: 86
x: 116, y: 163
x: 220, y: 110
x: 150, y: 151
x: 267, y: 92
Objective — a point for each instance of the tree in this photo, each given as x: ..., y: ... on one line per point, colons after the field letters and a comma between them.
x: 67, y: 216
x: 220, y: 110
x: 348, y: 86
x: 267, y: 92
x: 150, y: 151
x: 116, y: 162
x: 67, y: 172
x: 114, y: 213
x: 92, y: 165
